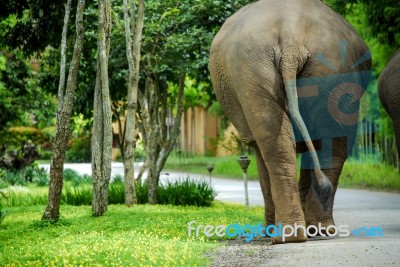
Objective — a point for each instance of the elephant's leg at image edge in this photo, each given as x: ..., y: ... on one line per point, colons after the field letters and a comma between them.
x: 313, y: 211
x: 265, y: 188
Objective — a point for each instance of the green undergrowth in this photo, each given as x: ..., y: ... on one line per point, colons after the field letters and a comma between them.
x: 142, y: 235
x: 226, y: 167
x: 369, y: 174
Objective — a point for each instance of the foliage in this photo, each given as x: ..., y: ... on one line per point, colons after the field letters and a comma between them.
x: 78, y: 191
x: 33, y: 173
x: 15, y: 136
x: 2, y: 212
x: 195, y: 93
x: 355, y: 174
x: 369, y: 175
x: 223, y: 166
x: 138, y: 235
x: 117, y: 179
x: 15, y: 177
x: 33, y: 25
x: 80, y: 125
x: 22, y: 101
x: 70, y: 175
x: 187, y: 192
x: 382, y: 17
x: 77, y: 195
x: 79, y: 150
x: 41, y: 177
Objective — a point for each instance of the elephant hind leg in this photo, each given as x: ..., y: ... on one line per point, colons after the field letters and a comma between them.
x: 313, y: 211
x: 265, y: 188
x: 228, y: 99
x: 397, y: 133
x: 289, y: 66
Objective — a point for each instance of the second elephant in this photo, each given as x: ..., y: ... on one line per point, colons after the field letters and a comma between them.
x: 389, y: 93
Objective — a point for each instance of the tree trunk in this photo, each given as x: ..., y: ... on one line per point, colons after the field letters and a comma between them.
x: 102, y: 123
x: 64, y: 111
x: 159, y: 144
x: 133, y: 57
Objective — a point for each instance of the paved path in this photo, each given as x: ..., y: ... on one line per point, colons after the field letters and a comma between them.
x: 356, y: 208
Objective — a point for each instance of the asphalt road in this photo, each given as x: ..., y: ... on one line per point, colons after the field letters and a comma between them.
x: 355, y: 208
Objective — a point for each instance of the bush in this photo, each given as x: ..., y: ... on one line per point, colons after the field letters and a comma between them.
x: 3, y: 184
x: 15, y: 177
x: 2, y: 212
x: 15, y: 136
x: 117, y: 179
x: 186, y: 192
x: 79, y: 150
x: 72, y: 176
x: 45, y: 154
x: 41, y: 177
x: 180, y: 193
x: 86, y: 178
x: 116, y: 193
x: 77, y: 195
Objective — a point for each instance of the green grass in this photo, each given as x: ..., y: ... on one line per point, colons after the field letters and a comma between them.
x: 226, y: 167
x: 143, y: 235
x: 370, y: 176
x: 356, y: 174
x: 181, y: 193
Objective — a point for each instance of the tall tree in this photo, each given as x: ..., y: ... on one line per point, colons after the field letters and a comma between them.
x: 36, y: 24
x: 134, y: 24
x: 175, y: 41
x: 383, y: 17
x: 102, y: 121
x: 65, y: 106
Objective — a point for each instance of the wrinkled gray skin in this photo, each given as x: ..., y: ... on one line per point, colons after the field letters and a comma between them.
x: 389, y: 93
x: 254, y: 62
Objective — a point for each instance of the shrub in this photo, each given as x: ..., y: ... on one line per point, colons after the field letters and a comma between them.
x: 116, y: 193
x: 30, y: 172
x: 3, y: 184
x: 140, y: 153
x: 186, y: 192
x: 77, y: 195
x: 183, y: 193
x: 15, y: 136
x: 117, y: 179
x: 86, y: 178
x: 142, y: 192
x: 2, y: 212
x: 72, y: 176
x: 45, y: 154
x: 15, y: 177
x: 79, y: 150
x: 41, y: 177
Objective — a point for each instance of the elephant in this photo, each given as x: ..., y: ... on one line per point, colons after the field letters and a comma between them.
x: 289, y: 75
x: 389, y: 93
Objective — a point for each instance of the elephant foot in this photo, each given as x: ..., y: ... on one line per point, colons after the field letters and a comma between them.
x: 288, y: 233
x: 291, y: 239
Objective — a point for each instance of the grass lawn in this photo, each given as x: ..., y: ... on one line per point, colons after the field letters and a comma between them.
x: 355, y: 174
x: 143, y: 235
x: 226, y: 167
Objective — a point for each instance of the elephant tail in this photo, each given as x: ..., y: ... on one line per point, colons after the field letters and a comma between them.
x: 289, y: 67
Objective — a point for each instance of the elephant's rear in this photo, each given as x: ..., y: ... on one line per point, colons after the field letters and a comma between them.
x: 222, y: 83
x: 389, y: 85
x: 389, y: 93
